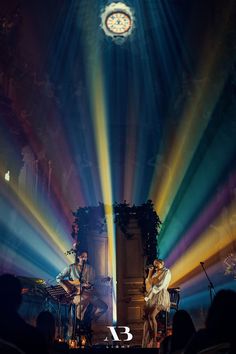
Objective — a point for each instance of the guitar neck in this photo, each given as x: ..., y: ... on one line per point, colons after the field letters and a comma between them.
x: 74, y: 282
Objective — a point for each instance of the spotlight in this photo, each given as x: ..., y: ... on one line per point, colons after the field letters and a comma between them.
x: 7, y: 176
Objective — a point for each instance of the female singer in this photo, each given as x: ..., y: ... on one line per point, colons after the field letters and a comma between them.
x: 157, y: 299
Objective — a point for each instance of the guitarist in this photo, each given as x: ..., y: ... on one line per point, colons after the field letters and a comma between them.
x: 78, y: 280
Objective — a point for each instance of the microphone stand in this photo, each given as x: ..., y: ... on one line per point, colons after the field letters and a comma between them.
x: 80, y: 297
x: 73, y: 306
x: 210, y: 286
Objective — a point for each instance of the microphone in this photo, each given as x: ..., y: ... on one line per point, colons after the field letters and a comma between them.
x: 149, y: 266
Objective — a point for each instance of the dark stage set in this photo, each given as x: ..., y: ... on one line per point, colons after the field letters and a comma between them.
x: 117, y: 151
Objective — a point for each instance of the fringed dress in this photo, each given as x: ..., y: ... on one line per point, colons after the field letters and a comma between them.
x: 157, y: 298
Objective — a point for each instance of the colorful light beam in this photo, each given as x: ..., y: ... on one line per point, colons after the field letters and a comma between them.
x: 101, y: 137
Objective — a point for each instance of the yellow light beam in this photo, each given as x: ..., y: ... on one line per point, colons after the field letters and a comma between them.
x: 35, y: 214
x: 101, y: 137
x: 220, y: 234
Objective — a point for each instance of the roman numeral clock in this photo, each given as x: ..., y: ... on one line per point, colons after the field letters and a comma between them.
x: 117, y: 21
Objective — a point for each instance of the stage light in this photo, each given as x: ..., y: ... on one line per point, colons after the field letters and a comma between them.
x: 7, y: 176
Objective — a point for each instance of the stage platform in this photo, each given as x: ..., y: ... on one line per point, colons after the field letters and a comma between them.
x: 130, y: 350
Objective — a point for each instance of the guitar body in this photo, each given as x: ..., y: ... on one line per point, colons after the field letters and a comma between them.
x: 72, y: 287
x: 75, y: 282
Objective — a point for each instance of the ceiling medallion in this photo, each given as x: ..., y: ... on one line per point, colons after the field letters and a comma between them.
x: 117, y: 21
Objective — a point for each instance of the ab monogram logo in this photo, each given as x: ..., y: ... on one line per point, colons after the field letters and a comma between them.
x: 125, y: 335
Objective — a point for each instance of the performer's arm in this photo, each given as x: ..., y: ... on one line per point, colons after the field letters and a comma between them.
x: 148, y: 281
x: 163, y: 283
x: 60, y: 278
x: 90, y: 279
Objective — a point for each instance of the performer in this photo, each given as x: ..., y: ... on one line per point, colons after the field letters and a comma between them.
x: 78, y: 279
x: 157, y: 299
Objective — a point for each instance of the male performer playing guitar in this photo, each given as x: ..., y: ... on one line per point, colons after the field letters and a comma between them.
x: 78, y: 280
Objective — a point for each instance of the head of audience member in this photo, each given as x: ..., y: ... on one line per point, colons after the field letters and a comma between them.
x: 45, y: 323
x: 221, y: 315
x: 10, y: 293
x: 182, y: 329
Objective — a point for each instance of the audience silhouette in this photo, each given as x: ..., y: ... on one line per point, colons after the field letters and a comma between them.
x: 182, y: 331
x: 220, y: 326
x: 18, y: 337
x: 13, y: 329
x: 45, y: 323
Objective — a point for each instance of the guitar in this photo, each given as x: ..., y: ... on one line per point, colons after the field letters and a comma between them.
x: 74, y: 287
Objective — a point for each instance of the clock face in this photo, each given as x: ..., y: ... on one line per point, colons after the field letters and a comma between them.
x: 118, y: 22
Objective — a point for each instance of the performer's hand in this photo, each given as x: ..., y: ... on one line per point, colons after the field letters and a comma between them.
x: 65, y: 287
x: 86, y: 285
x: 149, y: 297
x: 150, y: 269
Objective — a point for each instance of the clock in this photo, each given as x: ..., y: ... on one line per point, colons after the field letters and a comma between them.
x: 118, y: 22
